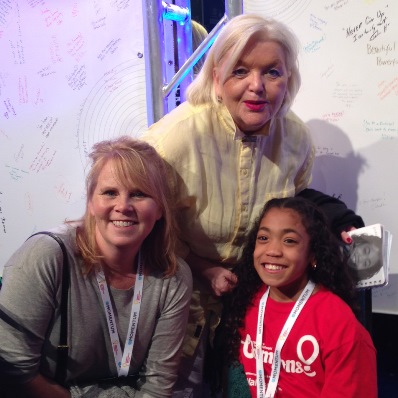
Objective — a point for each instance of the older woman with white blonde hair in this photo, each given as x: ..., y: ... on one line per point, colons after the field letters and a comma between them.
x: 231, y: 147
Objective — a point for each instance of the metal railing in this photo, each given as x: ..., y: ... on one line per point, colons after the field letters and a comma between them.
x: 157, y: 87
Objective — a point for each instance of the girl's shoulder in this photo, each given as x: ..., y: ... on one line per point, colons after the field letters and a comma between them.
x: 324, y: 298
x: 326, y: 308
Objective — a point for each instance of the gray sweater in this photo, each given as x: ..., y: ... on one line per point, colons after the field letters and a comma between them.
x: 31, y: 293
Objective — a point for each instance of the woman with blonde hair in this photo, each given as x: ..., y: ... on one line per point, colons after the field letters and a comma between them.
x: 127, y: 289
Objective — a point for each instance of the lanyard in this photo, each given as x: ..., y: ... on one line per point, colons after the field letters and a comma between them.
x: 276, y: 363
x: 122, y: 360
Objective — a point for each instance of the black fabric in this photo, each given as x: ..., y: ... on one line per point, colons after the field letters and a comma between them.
x: 339, y: 216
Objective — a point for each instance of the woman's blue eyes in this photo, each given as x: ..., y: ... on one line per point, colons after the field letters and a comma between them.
x: 138, y: 194
x: 109, y: 193
x: 135, y: 194
x: 274, y: 73
x: 242, y: 72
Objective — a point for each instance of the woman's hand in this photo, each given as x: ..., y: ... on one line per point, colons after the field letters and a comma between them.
x: 345, y: 237
x: 219, y: 279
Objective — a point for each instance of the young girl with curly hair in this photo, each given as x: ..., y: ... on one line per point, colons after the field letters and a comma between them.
x: 290, y: 328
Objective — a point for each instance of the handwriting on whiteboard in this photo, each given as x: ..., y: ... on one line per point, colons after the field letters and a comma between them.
x: 373, y: 203
x: 336, y: 5
x: 387, y: 130
x: 110, y: 48
x: 16, y: 43
x: 326, y: 151
x: 347, y: 93
x: 47, y: 125
x: 383, y: 53
x: 43, y: 159
x: 77, y: 78
x: 15, y: 173
x: 388, y: 88
x: 77, y: 47
x: 52, y: 17
x: 333, y: 117
x: 9, y: 109
x: 369, y: 28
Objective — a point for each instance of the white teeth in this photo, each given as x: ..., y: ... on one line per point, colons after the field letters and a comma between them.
x: 273, y: 267
x: 122, y: 223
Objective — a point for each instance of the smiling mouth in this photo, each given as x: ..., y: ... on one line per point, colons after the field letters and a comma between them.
x: 255, y: 105
x: 123, y: 223
x: 273, y: 267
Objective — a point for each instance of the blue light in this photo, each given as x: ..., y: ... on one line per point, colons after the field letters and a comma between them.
x: 175, y: 13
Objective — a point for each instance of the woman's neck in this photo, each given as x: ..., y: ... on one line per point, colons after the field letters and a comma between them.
x: 261, y: 131
x: 119, y: 280
x: 120, y: 271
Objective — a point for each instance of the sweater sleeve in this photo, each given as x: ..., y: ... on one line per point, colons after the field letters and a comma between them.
x: 28, y: 300
x: 339, y: 216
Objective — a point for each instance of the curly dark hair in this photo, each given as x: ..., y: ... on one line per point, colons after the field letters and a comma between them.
x: 331, y: 270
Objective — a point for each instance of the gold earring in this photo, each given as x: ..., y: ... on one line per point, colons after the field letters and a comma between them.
x: 314, y: 266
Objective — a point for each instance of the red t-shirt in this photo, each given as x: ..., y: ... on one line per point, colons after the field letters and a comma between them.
x: 328, y: 353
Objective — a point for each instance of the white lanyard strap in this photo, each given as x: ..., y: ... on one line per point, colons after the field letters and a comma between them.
x: 122, y: 360
x: 276, y: 363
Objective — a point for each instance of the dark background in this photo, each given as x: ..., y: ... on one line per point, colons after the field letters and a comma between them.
x: 207, y: 12
x: 384, y: 328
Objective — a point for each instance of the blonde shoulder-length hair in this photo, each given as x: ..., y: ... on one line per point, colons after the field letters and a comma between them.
x: 138, y: 165
x: 229, y: 47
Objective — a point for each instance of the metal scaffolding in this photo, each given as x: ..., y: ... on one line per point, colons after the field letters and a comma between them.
x: 168, y: 42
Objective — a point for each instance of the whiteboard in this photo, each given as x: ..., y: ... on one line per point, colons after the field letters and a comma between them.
x: 348, y: 98
x: 71, y: 73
